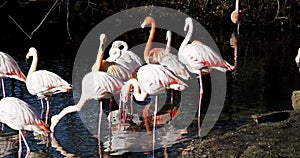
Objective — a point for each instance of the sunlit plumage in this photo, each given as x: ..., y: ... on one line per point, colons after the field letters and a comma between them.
x: 44, y: 83
x: 160, y: 55
x: 111, y: 67
x: 9, y: 68
x: 19, y: 115
x: 199, y: 59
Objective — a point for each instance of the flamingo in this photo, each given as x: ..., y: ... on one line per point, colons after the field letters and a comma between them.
x: 19, y: 115
x: 198, y: 58
x: 9, y: 68
x: 123, y: 56
x: 152, y: 79
x: 96, y: 85
x: 111, y: 67
x: 160, y: 55
x: 44, y: 83
x: 237, y: 15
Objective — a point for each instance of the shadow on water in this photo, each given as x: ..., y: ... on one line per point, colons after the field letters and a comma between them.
x: 265, y: 77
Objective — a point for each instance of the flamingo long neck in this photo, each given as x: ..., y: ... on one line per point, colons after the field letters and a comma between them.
x: 150, y: 39
x: 237, y: 5
x: 100, y: 56
x: 188, y: 36
x: 168, y: 47
x: 33, y: 64
x: 67, y: 110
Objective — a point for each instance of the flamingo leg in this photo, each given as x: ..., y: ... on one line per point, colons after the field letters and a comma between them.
x: 99, y: 130
x: 48, y: 109
x: 42, y: 111
x: 25, y: 142
x: 154, y: 123
x: 110, y: 107
x: 3, y: 88
x: 131, y: 103
x: 200, y: 100
x: 238, y: 29
x: 20, y: 144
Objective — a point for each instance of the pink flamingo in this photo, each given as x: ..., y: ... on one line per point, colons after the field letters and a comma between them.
x: 152, y: 79
x: 9, y: 68
x: 237, y: 15
x: 198, y: 58
x: 124, y: 57
x: 44, y: 83
x: 159, y: 55
x: 19, y: 115
x: 111, y: 67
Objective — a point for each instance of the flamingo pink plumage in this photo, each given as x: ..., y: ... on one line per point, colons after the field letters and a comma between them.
x: 199, y: 58
x: 160, y: 55
x: 124, y: 57
x: 44, y: 83
x: 110, y: 67
x: 19, y: 115
x: 9, y: 68
x: 152, y: 79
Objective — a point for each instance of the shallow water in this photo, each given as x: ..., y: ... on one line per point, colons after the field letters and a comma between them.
x: 265, y: 77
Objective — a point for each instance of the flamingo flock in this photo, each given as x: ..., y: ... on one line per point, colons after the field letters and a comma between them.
x: 122, y: 73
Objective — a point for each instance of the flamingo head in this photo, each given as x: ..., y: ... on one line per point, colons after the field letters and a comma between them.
x: 103, y: 38
x: 148, y: 20
x: 168, y: 36
x: 54, y: 122
x: 32, y: 51
x: 188, y: 21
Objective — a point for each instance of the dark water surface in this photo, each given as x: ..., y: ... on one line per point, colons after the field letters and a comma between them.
x: 265, y: 77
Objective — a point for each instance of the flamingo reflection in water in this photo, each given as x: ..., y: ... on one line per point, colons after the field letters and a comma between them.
x: 199, y: 59
x: 9, y: 68
x: 237, y: 16
x: 19, y: 115
x: 44, y: 83
x: 234, y: 43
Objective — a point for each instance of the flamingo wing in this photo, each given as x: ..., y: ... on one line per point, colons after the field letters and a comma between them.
x: 99, y: 85
x: 171, y: 62
x: 44, y: 83
x: 10, y: 68
x: 199, y: 56
x: 19, y: 115
x: 154, y: 79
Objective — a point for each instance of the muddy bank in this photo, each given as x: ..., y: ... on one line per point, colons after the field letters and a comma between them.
x: 269, y: 136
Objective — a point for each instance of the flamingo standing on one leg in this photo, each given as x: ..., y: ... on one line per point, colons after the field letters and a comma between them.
x: 160, y: 55
x: 198, y: 58
x: 19, y: 115
x: 237, y: 15
x: 152, y: 79
x: 9, y: 68
x: 44, y: 83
